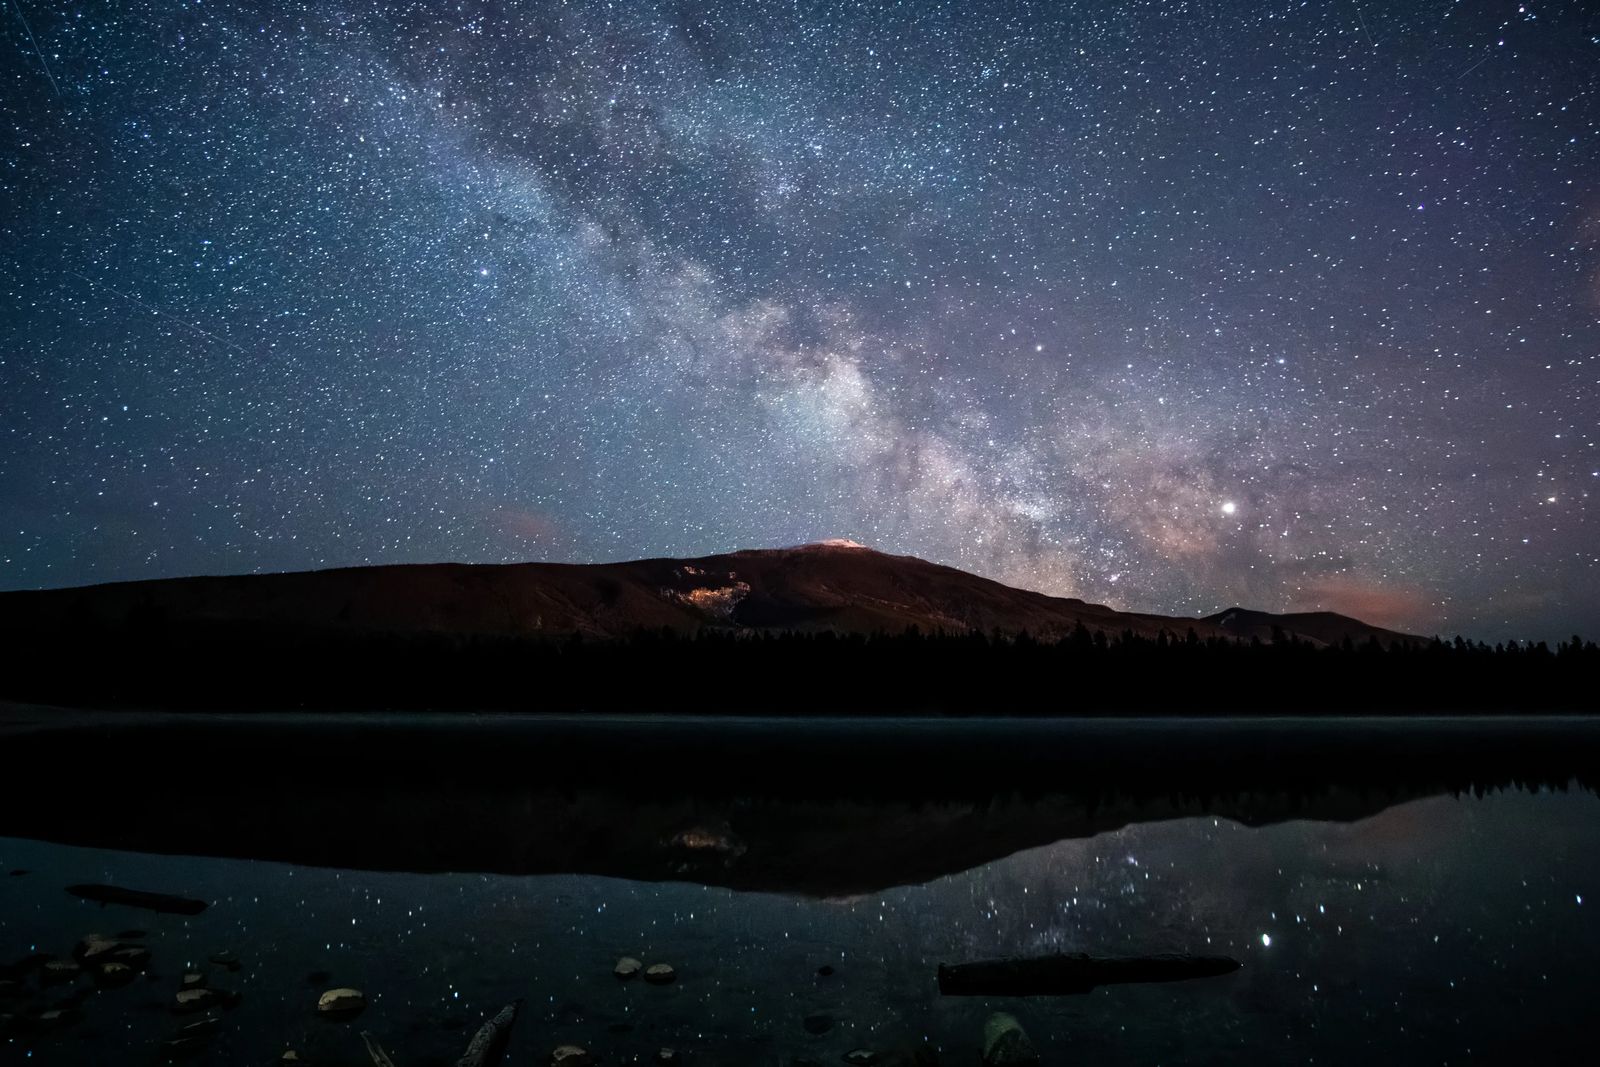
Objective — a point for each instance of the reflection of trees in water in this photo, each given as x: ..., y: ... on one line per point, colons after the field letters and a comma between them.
x: 811, y: 808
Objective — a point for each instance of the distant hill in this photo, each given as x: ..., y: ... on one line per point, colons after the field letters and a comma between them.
x: 830, y: 586
x: 1319, y: 627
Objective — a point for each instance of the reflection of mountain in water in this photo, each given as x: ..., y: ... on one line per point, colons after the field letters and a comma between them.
x: 821, y: 808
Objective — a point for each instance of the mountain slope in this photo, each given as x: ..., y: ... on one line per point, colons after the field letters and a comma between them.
x: 836, y: 586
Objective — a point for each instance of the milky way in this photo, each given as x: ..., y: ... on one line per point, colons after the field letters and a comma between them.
x: 1169, y: 305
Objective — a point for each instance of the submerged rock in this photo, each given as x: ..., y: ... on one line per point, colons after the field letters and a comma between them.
x: 95, y: 947
x: 666, y: 1056
x: 916, y: 1055
x: 184, y: 1046
x: 192, y: 1000
x: 136, y: 957
x: 25, y: 966
x: 1006, y: 1044
x: 820, y: 1023
x: 225, y: 959
x: 861, y: 1057
x: 193, y: 980
x: 825, y: 971
x: 571, y: 1056
x: 660, y: 973
x: 57, y: 972
x: 114, y: 974
x: 342, y: 1003
x: 627, y: 967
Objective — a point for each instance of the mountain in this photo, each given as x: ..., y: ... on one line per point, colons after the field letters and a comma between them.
x: 832, y: 585
x: 1319, y: 627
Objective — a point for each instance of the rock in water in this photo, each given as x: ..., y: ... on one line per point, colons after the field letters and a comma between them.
x: 820, y: 1023
x: 488, y: 1045
x: 861, y: 1057
x: 193, y: 980
x: 1006, y: 1044
x: 660, y: 973
x: 571, y: 1056
x: 667, y: 1057
x: 627, y: 967
x: 342, y: 1003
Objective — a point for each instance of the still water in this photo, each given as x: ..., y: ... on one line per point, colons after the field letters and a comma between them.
x: 1442, y: 930
x: 1400, y: 891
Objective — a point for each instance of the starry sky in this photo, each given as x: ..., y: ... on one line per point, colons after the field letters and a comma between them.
x: 1170, y: 306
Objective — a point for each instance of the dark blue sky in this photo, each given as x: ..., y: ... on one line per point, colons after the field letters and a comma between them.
x: 1166, y: 305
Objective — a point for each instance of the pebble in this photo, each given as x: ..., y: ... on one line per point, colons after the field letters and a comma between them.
x: 571, y: 1056
x: 342, y: 1003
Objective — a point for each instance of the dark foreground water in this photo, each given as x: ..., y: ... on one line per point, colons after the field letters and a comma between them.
x: 1439, y: 929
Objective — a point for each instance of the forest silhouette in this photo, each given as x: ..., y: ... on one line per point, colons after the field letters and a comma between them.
x: 146, y: 662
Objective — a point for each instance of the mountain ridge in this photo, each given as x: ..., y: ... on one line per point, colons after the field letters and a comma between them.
x: 835, y: 585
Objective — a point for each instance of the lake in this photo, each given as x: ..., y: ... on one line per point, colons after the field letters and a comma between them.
x: 1380, y: 904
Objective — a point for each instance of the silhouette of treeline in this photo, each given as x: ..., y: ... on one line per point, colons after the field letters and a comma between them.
x: 149, y: 663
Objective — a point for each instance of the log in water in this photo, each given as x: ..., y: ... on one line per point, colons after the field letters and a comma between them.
x: 138, y: 898
x: 488, y: 1045
x: 1050, y: 976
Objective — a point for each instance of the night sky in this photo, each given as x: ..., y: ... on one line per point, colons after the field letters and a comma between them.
x: 1165, y: 305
